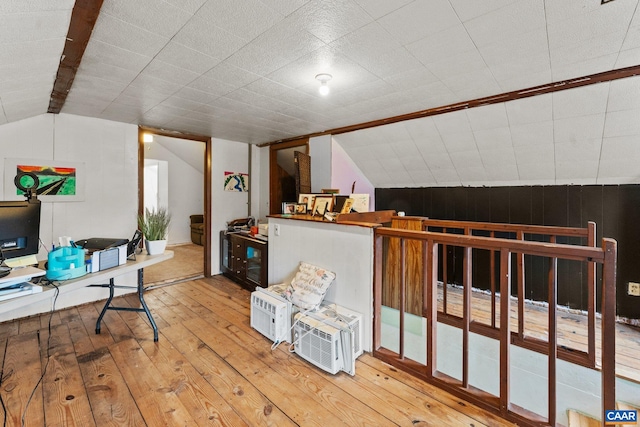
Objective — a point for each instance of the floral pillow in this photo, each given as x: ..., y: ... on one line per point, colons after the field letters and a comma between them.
x: 308, y: 287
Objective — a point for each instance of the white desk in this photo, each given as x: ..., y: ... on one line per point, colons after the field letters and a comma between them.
x: 98, y: 278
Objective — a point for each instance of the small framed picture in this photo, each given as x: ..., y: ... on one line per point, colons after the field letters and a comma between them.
x: 301, y: 208
x: 346, y: 207
x: 322, y: 204
x: 288, y: 208
x: 308, y: 200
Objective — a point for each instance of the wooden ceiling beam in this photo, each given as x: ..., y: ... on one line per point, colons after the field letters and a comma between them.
x: 606, y: 76
x: 83, y: 19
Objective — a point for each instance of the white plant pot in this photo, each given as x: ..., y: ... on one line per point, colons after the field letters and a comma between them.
x: 155, y: 247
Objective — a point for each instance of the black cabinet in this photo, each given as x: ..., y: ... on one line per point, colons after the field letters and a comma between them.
x: 243, y: 259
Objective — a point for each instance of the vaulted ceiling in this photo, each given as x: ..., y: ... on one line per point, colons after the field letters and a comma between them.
x: 245, y: 70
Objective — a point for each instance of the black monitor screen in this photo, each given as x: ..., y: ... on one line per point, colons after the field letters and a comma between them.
x: 19, y: 228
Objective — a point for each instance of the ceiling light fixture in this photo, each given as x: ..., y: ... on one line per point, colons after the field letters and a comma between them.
x: 147, y: 137
x: 324, y: 79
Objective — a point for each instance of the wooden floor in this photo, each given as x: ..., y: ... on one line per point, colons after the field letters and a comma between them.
x: 572, y: 327
x: 208, y: 368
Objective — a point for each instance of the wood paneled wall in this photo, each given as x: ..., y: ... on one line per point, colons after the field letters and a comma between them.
x: 614, y: 208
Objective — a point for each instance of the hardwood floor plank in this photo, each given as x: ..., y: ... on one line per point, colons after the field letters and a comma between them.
x: 65, y: 397
x: 154, y: 395
x: 22, y: 371
x: 82, y: 343
x: 447, y: 399
x: 89, y: 315
x: 198, y: 396
x: 278, y: 389
x: 246, y: 399
x: 107, y: 391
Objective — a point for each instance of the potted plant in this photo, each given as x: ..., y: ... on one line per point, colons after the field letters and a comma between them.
x: 154, y: 225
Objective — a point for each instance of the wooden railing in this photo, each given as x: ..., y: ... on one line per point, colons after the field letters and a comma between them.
x: 582, y: 236
x: 429, y: 271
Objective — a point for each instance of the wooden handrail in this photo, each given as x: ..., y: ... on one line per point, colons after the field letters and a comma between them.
x: 590, y: 255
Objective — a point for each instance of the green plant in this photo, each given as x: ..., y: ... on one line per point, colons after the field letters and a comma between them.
x: 154, y: 224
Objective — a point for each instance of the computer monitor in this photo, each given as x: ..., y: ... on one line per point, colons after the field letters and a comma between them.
x: 19, y: 228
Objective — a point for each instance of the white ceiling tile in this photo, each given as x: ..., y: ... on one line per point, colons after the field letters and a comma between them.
x: 578, y: 151
x: 624, y: 94
x: 450, y: 42
x: 530, y: 110
x: 507, y: 22
x: 493, y: 139
x: 496, y: 158
x: 214, y: 41
x: 532, y: 154
x: 454, y: 122
x: 35, y: 6
x: 160, y: 17
x: 505, y: 174
x: 406, y: 149
x: 472, y: 85
x: 467, y: 10
x: 576, y: 129
x: 167, y: 72
x: 532, y: 134
x: 378, y: 8
x: 621, y: 147
x: 419, y: 19
x: 488, y: 117
x: 244, y: 19
x: 413, y: 163
x: 622, y: 123
x: 588, y: 100
x: 445, y: 177
x: 465, y: 159
x: 472, y: 175
x: 583, y: 68
x: 628, y: 58
x: 576, y: 172
x: 183, y: 56
x: 459, y: 142
x: 126, y: 36
x: 329, y: 20
x: 393, y: 165
x: 460, y: 64
x: 190, y: 6
x: 422, y: 178
x: 33, y: 26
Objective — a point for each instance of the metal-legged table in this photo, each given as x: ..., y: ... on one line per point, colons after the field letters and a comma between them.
x: 108, y: 306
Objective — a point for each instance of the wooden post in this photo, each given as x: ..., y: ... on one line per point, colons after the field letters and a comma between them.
x: 552, y: 339
x: 466, y: 314
x: 608, y: 312
x: 431, y: 295
x: 505, y: 334
x: 591, y: 302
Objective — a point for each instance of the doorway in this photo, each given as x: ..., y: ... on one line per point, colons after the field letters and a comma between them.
x: 178, y: 177
x: 282, y: 180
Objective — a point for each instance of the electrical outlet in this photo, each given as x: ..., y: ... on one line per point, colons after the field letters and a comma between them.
x: 276, y: 229
x: 634, y: 289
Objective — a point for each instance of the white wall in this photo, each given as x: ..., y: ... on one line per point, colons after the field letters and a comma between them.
x: 346, y: 250
x: 344, y: 173
x: 226, y: 205
x: 186, y: 183
x: 320, y: 152
x: 109, y: 153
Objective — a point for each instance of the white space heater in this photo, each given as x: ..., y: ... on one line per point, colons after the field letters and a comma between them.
x: 329, y: 338
x: 271, y: 313
x: 270, y: 316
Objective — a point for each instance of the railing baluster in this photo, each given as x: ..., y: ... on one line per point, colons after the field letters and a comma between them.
x: 505, y: 333
x: 492, y: 272
x: 432, y: 306
x: 608, y: 312
x: 591, y: 301
x: 444, y: 276
x: 403, y: 296
x: 552, y: 339
x: 520, y: 278
x: 466, y: 315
